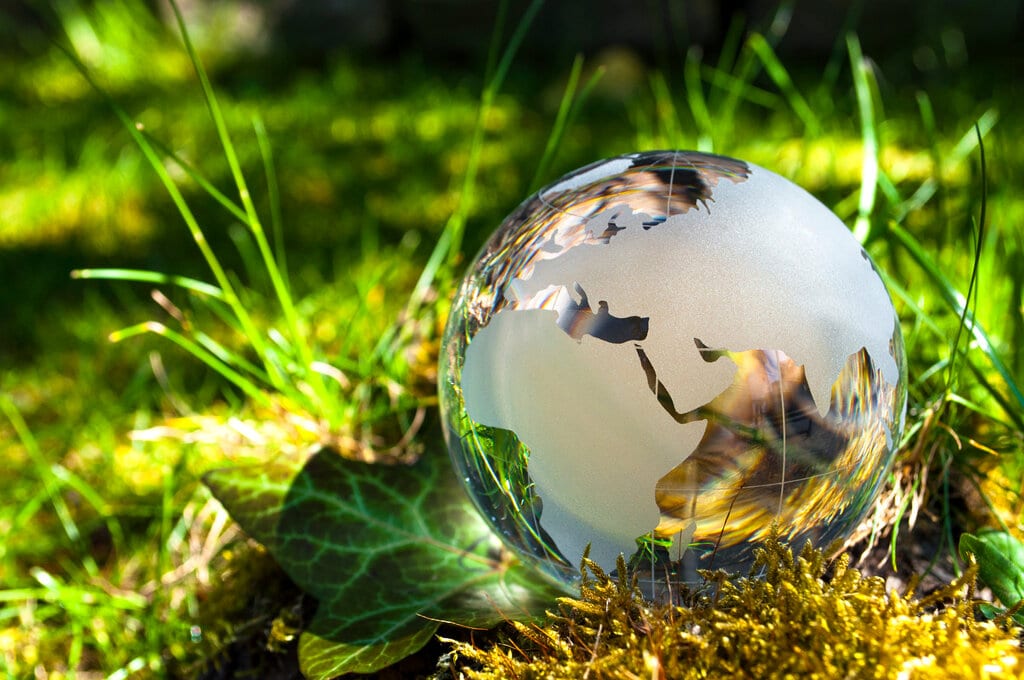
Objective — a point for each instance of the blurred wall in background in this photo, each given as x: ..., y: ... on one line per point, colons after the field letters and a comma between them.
x: 461, y: 30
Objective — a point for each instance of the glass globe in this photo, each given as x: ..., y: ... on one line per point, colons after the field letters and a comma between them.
x: 663, y: 354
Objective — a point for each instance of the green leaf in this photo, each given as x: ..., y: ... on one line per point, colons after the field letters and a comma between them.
x: 389, y: 551
x: 1000, y: 558
x: 321, y: 659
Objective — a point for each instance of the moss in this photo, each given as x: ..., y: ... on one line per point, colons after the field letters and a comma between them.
x: 803, y: 618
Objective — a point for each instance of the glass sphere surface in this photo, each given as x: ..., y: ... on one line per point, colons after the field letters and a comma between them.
x: 662, y: 354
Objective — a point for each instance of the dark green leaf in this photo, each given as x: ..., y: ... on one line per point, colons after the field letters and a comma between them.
x: 1000, y: 558
x: 385, y: 549
x: 321, y: 659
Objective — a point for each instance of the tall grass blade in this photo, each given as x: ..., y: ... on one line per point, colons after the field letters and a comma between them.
x: 933, y: 184
x: 1013, y: 411
x: 145, y: 276
x: 273, y: 196
x: 230, y: 296
x: 731, y: 43
x: 956, y: 301
x: 570, y: 104
x: 746, y: 67
x: 780, y: 76
x: 965, y: 147
x: 862, y: 82
x: 835, y: 61
x: 253, y: 222
x: 970, y: 139
x: 457, y: 222
x: 197, y: 177
x: 198, y: 351
x: 255, y: 275
x: 449, y: 244
x: 42, y: 467
x: 722, y: 81
x: 697, y: 101
x: 979, y: 240
x: 665, y: 108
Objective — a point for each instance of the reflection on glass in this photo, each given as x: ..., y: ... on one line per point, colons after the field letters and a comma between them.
x: 663, y: 354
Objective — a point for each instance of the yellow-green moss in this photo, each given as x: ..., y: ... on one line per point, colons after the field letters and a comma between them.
x: 797, y: 621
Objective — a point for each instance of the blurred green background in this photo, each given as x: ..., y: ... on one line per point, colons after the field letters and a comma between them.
x: 114, y: 560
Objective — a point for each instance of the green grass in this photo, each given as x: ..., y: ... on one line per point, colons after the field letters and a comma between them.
x: 302, y: 298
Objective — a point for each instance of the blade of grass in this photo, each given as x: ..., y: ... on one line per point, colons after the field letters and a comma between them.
x: 970, y: 139
x: 281, y: 290
x: 955, y: 300
x: 197, y: 177
x: 273, y: 195
x: 966, y: 146
x: 780, y: 76
x: 731, y: 43
x: 835, y: 61
x: 745, y: 71
x: 898, y: 520
x: 252, y: 265
x: 229, y: 294
x: 1014, y: 412
x: 665, y: 108
x: 862, y: 79
x: 42, y: 467
x: 979, y: 230
x: 144, y: 276
x: 56, y: 591
x: 571, y: 101
x: 228, y: 357
x: 198, y: 351
x: 927, y: 114
x: 722, y: 81
x: 904, y: 295
x: 746, y: 68
x: 458, y: 220
x: 94, y: 498
x: 697, y: 101
x: 449, y: 244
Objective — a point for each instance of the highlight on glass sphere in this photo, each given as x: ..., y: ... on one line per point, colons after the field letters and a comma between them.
x: 663, y: 354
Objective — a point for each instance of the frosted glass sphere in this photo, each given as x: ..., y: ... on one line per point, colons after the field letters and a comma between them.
x: 662, y: 354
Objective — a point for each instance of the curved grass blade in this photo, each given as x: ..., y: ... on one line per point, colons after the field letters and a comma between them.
x: 780, y: 75
x: 43, y: 469
x: 252, y: 221
x: 957, y: 303
x: 198, y: 351
x: 212, y: 261
x: 449, y: 244
x: 979, y: 242
x: 197, y: 177
x: 144, y: 276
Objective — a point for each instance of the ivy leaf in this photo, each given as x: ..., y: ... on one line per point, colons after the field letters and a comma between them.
x: 321, y: 659
x: 1000, y: 558
x: 389, y: 552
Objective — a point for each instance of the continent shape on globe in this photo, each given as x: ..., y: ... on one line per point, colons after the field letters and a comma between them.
x: 581, y: 388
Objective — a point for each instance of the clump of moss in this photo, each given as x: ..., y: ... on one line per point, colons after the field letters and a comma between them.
x: 802, y: 617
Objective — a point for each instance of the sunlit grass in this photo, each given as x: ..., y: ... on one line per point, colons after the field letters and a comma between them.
x: 114, y: 559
